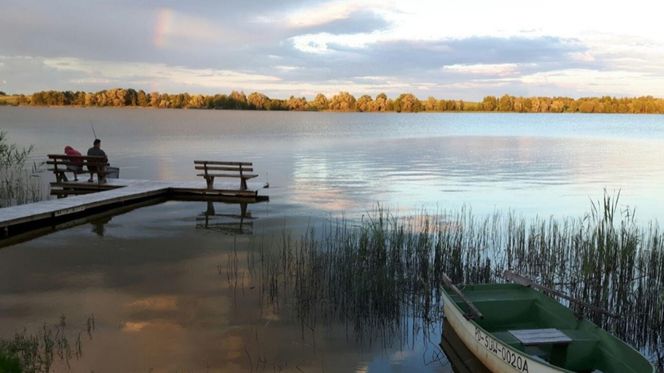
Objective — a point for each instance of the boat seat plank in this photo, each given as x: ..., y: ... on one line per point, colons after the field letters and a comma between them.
x: 507, y: 338
x: 534, y: 337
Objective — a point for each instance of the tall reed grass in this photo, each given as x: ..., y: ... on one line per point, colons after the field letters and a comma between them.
x: 38, y: 352
x: 382, y: 277
x: 19, y: 181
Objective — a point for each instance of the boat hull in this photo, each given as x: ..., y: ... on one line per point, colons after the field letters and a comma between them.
x: 494, y: 354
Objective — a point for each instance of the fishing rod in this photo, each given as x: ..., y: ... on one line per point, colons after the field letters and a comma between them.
x: 93, y: 129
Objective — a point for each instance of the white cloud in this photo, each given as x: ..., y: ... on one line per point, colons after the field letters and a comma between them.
x: 582, y: 56
x: 596, y: 82
x: 319, y: 43
x: 326, y: 12
x: 286, y: 68
x: 503, y: 69
x: 436, y: 47
x: 163, y: 77
x: 128, y: 71
x: 92, y: 81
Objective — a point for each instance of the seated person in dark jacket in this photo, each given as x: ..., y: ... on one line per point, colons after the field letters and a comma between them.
x: 96, y: 151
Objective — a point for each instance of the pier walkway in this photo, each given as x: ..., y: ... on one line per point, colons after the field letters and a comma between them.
x: 115, y: 193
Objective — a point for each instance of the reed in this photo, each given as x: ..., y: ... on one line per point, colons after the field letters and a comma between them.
x: 381, y: 276
x: 38, y: 352
x: 19, y: 183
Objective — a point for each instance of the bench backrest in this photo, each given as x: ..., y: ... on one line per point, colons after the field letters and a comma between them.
x: 239, y: 167
x: 63, y: 160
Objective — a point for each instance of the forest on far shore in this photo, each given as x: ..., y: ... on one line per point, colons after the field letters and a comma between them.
x: 343, y: 101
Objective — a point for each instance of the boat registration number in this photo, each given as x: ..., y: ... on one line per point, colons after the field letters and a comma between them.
x: 518, y: 362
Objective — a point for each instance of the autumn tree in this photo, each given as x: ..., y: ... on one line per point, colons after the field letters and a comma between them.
x: 505, y: 103
x: 296, y: 103
x: 142, y: 99
x: 258, y: 101
x: 431, y: 104
x: 364, y: 103
x: 237, y: 100
x: 343, y: 101
x: 407, y: 103
x: 489, y: 103
x: 320, y: 103
x: 381, y: 102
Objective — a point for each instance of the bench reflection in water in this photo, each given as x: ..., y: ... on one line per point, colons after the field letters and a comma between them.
x: 224, y: 221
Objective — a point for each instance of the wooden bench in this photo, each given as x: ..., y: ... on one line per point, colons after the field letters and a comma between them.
x: 212, y: 169
x: 61, y: 164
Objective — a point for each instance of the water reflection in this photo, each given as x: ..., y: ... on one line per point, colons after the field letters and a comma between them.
x: 535, y: 164
x: 98, y: 224
x: 224, y: 221
x: 169, y: 295
x: 460, y: 357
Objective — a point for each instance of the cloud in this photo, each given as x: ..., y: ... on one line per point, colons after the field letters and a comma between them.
x: 597, y: 82
x: 354, y: 23
x: 318, y: 15
x: 300, y: 47
x: 502, y: 69
x: 419, y: 60
x: 158, y: 73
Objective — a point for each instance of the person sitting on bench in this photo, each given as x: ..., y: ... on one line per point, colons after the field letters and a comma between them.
x: 75, y: 162
x: 95, y: 150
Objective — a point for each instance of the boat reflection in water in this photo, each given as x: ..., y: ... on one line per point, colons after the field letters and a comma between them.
x: 460, y: 357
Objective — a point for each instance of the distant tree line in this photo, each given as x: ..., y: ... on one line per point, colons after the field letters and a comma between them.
x: 343, y: 101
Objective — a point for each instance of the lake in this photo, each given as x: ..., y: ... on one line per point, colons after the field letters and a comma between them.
x: 170, y: 293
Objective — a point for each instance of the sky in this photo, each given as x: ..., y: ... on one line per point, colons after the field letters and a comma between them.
x: 445, y: 49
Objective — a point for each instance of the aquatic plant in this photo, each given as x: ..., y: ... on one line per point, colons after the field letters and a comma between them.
x: 18, y: 184
x: 39, y: 351
x: 381, y: 276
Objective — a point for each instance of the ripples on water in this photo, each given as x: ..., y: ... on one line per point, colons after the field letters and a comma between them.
x: 157, y: 282
x: 323, y: 162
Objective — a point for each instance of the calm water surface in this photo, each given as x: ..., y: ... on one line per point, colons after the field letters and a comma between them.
x: 157, y: 280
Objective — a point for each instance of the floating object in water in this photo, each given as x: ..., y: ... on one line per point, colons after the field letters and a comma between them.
x: 266, y: 185
x: 515, y: 328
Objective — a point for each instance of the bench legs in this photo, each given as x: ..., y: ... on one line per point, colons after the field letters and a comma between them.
x: 209, y: 180
x: 101, y: 174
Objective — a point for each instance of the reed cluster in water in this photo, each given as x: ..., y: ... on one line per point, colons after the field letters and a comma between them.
x: 17, y: 184
x: 41, y: 350
x: 382, y: 277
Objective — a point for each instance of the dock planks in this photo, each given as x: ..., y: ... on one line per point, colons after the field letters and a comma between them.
x: 125, y: 192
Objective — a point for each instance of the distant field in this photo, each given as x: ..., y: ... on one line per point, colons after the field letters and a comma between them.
x: 8, y: 100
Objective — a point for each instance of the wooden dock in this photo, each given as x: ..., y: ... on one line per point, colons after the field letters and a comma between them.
x: 92, y: 198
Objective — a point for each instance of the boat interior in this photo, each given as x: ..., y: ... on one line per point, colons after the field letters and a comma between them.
x: 510, y: 308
